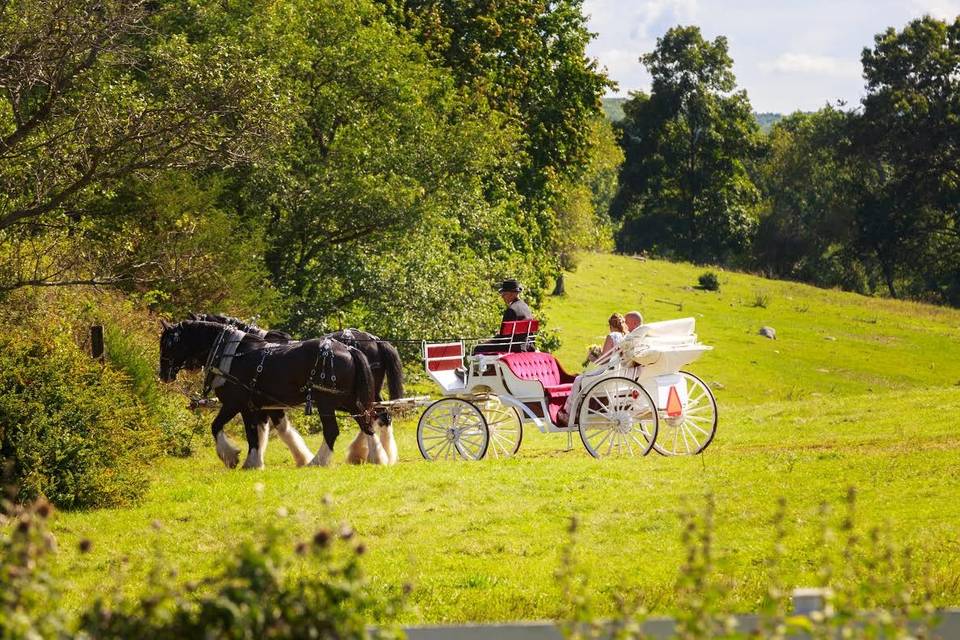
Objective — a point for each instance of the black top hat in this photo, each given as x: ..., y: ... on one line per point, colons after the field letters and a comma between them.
x: 510, y: 284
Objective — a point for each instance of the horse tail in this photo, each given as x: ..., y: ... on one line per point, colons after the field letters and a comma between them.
x: 393, y: 367
x: 363, y: 380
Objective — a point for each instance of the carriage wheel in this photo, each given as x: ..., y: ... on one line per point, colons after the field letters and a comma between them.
x: 452, y: 429
x: 689, y: 433
x: 617, y: 418
x: 504, y: 425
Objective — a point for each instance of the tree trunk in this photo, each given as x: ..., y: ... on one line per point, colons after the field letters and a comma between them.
x: 887, y: 269
x: 558, y: 288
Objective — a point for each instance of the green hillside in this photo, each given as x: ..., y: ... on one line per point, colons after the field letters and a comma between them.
x: 828, y: 343
x: 613, y: 108
x: 855, y: 391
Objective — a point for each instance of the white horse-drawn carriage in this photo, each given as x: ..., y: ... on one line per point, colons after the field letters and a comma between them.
x: 634, y: 399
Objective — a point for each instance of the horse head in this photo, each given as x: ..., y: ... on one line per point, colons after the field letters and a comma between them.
x: 177, y: 350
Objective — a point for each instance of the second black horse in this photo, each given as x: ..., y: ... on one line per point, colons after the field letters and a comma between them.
x: 252, y: 375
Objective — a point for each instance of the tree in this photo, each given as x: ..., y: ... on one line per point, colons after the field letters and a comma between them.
x: 684, y: 186
x: 91, y: 94
x: 907, y: 140
x: 387, y: 183
x: 525, y: 60
x: 807, y: 227
x: 582, y: 206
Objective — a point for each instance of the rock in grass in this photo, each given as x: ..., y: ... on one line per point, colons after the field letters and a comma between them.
x: 768, y: 332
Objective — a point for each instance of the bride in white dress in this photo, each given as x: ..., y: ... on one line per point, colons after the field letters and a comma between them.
x: 618, y: 329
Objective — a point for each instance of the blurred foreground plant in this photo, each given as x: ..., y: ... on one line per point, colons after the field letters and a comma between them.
x: 872, y: 588
x: 266, y: 589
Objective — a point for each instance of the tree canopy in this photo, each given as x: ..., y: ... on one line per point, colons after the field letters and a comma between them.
x: 684, y: 186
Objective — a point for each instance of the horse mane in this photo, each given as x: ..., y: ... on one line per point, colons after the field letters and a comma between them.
x: 271, y: 335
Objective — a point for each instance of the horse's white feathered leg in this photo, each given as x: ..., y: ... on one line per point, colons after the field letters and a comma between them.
x: 322, y: 459
x: 357, y: 451
x: 227, y: 451
x: 256, y: 457
x: 376, y: 455
x: 389, y: 443
x: 291, y: 437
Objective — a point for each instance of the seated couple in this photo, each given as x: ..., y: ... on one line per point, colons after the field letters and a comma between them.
x: 619, y: 327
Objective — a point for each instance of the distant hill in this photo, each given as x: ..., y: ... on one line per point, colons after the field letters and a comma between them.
x: 767, y: 120
x: 613, y: 107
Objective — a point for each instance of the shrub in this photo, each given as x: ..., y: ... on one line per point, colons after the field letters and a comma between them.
x: 134, y: 351
x: 761, y: 299
x: 709, y: 281
x: 315, y: 589
x: 28, y: 595
x: 268, y: 589
x: 70, y: 428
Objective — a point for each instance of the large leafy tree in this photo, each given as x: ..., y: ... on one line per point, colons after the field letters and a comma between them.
x: 380, y: 190
x: 525, y: 60
x: 92, y: 94
x: 684, y: 187
x: 807, y: 228
x: 908, y: 142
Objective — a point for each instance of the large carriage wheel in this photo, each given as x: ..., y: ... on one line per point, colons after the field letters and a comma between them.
x: 452, y: 429
x: 504, y: 425
x: 617, y: 418
x: 693, y: 429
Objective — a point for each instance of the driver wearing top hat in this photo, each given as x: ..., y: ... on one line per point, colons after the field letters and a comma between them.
x: 516, y: 309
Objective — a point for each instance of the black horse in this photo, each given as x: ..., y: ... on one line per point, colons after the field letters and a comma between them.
x: 250, y: 375
x: 384, y: 361
x: 383, y: 357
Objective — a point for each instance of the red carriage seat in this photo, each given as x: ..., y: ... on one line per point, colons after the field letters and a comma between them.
x: 443, y: 357
x: 544, y: 368
x: 515, y: 335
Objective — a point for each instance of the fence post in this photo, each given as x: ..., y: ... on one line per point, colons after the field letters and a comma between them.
x: 807, y: 600
x: 96, y: 342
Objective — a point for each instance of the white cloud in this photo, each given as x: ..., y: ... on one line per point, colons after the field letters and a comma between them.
x: 627, y: 29
x: 806, y: 63
x: 943, y: 9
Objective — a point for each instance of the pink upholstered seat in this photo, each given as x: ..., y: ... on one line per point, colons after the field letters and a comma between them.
x: 544, y: 368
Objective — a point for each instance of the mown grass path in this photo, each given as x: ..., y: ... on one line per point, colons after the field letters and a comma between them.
x: 854, y: 391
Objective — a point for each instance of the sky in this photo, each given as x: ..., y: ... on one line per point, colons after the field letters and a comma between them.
x: 787, y: 54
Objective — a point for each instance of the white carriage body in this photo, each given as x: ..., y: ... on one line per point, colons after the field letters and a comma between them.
x: 652, y: 354
x: 617, y: 404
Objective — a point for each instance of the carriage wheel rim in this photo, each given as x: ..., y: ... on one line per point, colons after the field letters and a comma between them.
x: 452, y: 429
x: 505, y: 428
x: 617, y: 418
x: 692, y: 431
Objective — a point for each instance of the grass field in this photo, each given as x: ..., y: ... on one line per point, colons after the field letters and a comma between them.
x: 855, y: 391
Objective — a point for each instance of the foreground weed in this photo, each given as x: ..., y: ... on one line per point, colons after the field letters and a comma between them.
x: 580, y: 621
x: 267, y: 589
x: 27, y: 591
x: 865, y: 579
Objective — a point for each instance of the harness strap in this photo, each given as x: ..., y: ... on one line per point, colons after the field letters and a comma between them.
x: 220, y: 358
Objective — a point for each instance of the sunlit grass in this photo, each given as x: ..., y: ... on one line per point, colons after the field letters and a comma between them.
x: 804, y: 416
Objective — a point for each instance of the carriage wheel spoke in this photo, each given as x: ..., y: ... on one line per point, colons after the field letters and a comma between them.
x: 698, y: 428
x: 692, y: 437
x: 438, y: 444
x: 609, y: 432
